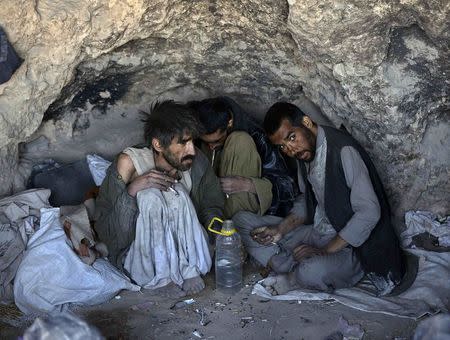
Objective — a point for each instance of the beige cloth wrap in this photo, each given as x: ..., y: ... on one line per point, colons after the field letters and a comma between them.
x: 144, y: 161
x: 168, y: 249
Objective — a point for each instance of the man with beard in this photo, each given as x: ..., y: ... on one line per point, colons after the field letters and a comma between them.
x: 340, y: 228
x: 152, y: 202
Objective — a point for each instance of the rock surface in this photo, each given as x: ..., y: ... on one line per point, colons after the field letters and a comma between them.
x: 381, y: 68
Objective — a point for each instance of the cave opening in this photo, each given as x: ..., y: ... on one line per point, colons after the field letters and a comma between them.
x: 378, y: 69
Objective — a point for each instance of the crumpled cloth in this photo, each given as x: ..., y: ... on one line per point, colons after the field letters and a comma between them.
x: 170, y: 243
x: 418, y: 222
x: 19, y: 218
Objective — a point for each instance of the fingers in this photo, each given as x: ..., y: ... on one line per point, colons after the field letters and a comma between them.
x: 264, y: 240
x: 232, y: 184
x: 160, y: 176
x: 227, y: 185
x: 158, y: 184
x: 259, y: 234
x: 305, y: 251
x: 83, y: 250
x: 158, y: 180
x: 257, y: 231
x: 262, y: 235
x: 301, y: 252
x: 277, y: 237
x: 152, y: 179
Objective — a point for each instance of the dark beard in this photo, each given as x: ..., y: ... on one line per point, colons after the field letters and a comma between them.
x: 313, y: 155
x: 312, y: 142
x: 177, y: 164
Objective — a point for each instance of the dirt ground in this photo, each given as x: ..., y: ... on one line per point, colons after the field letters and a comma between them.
x: 139, y: 315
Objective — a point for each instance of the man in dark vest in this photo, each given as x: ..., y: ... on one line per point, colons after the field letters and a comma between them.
x: 339, y: 228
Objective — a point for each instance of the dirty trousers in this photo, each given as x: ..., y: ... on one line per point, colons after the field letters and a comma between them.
x: 239, y: 157
x: 170, y: 243
x: 326, y: 273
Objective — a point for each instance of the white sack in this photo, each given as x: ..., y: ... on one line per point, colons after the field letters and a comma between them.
x: 51, y: 275
x: 97, y: 166
x: 18, y: 216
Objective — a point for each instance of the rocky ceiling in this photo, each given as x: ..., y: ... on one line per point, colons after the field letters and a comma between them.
x: 379, y: 67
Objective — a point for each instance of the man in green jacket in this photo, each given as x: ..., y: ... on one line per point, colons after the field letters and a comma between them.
x: 154, y: 201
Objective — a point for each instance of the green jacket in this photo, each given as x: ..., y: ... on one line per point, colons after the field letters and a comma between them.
x: 117, y: 211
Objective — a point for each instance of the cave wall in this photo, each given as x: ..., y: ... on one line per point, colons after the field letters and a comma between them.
x: 381, y: 68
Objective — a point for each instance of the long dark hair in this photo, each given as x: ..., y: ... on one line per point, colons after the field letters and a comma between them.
x: 169, y: 119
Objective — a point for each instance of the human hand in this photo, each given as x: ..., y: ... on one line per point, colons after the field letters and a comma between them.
x: 152, y: 179
x: 266, y: 235
x: 233, y: 184
x: 305, y: 251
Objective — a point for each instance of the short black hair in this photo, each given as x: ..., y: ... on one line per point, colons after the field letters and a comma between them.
x: 280, y: 111
x: 213, y: 114
x: 168, y: 119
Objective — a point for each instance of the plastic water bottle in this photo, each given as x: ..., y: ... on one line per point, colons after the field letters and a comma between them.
x: 228, y: 259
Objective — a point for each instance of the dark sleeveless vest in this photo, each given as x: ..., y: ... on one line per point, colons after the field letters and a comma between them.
x: 380, y: 254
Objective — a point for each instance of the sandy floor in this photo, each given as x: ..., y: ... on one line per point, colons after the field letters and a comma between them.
x: 241, y: 316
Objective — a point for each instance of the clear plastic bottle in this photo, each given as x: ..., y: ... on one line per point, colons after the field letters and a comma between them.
x: 228, y: 262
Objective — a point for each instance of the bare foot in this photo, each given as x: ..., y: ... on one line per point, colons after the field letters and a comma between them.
x: 193, y: 285
x: 171, y: 290
x: 280, y: 284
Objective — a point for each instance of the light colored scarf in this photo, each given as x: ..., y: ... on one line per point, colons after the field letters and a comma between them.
x: 144, y: 161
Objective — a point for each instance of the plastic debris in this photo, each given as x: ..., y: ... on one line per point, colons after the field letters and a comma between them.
x: 117, y: 297
x: 61, y: 326
x: 197, y: 334
x: 203, y: 318
x: 182, y: 304
x: 220, y: 304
